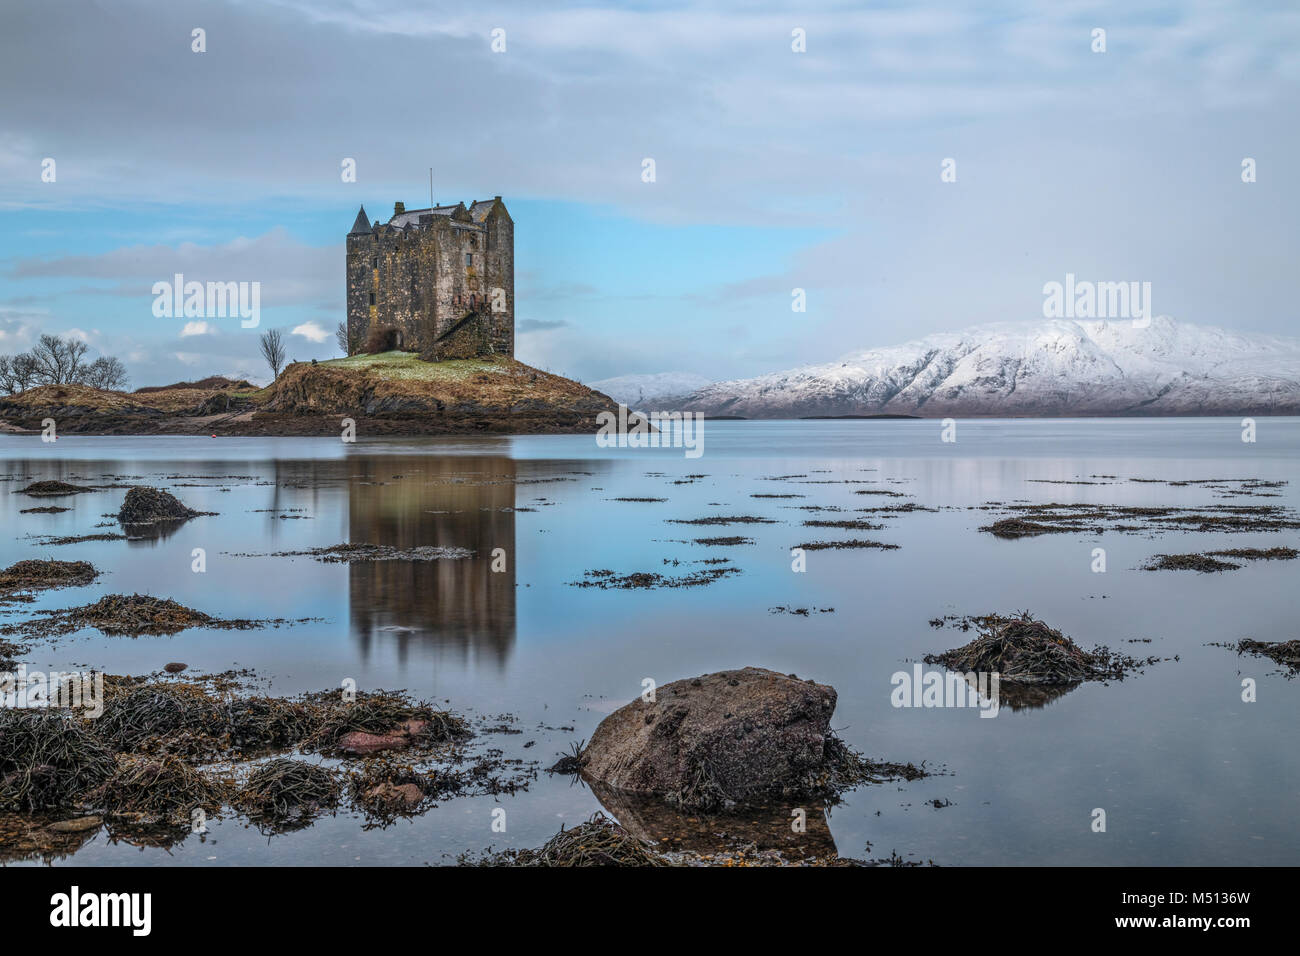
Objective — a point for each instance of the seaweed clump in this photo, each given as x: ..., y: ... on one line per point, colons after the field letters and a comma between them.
x: 606, y: 579
x: 1189, y: 562
x: 167, y: 718
x: 52, y: 489
x: 284, y: 791
x: 18, y: 580
x: 162, y: 789
x: 382, y: 720
x: 1286, y: 653
x: 144, y: 505
x: 1024, y: 650
x: 48, y: 761
x: 127, y: 615
x: 1209, y: 562
x: 598, y: 842
x: 139, y: 614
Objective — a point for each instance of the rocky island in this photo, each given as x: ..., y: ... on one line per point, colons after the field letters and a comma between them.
x: 391, y: 393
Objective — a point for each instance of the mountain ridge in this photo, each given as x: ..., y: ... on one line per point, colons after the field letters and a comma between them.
x: 1052, y: 367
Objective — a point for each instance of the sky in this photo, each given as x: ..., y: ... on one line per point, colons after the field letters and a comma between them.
x: 775, y: 169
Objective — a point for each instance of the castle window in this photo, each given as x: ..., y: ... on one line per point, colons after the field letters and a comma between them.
x: 372, y: 298
x: 374, y: 262
x: 469, y: 258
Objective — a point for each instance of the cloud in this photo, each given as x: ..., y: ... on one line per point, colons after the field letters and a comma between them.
x: 524, y: 326
x: 196, y: 328
x: 289, y: 271
x: 738, y: 123
x: 312, y: 332
x: 1096, y: 164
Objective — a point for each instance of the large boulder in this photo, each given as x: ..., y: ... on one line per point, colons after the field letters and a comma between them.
x: 719, y: 741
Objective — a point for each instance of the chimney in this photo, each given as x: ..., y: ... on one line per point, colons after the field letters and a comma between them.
x: 399, y: 208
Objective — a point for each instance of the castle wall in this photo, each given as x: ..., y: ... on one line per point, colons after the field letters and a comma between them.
x: 423, y: 284
x: 499, y: 263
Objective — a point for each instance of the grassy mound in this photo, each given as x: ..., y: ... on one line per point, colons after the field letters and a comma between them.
x: 77, y: 398
x: 213, y: 383
x: 395, y: 383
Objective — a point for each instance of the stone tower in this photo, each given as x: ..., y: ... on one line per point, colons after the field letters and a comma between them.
x: 438, y: 281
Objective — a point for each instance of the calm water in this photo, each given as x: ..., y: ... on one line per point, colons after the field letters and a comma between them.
x: 1186, y: 771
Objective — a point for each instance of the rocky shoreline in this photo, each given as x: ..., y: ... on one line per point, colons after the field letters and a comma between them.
x: 382, y: 395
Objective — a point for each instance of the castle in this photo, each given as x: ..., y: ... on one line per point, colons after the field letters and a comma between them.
x: 438, y: 281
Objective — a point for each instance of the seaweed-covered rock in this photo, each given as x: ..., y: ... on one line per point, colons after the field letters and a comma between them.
x: 32, y: 575
x: 1024, y: 650
x: 719, y: 741
x: 148, y: 505
x: 52, y: 489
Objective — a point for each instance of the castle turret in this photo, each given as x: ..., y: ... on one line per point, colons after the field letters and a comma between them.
x: 361, y: 224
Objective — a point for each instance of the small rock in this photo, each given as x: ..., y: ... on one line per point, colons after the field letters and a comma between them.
x: 360, y: 742
x: 399, y: 738
x: 77, y: 824
x: 175, y: 667
x: 389, y: 794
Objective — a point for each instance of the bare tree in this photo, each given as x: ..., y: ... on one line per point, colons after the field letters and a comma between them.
x: 59, y: 361
x: 341, y: 336
x: 17, y: 373
x: 272, y: 345
x: 25, y: 372
x: 105, y: 372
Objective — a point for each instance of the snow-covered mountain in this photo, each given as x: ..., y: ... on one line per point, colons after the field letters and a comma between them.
x: 643, y: 391
x: 1053, y: 367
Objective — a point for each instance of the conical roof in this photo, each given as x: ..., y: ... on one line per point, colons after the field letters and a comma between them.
x: 362, y: 224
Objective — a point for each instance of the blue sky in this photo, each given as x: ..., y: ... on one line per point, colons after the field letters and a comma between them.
x: 775, y: 169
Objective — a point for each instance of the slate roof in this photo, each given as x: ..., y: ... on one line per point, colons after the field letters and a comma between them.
x: 412, y: 216
x: 362, y: 224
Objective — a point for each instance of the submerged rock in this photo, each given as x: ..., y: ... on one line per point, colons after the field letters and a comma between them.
x: 721, y: 740
x: 360, y: 742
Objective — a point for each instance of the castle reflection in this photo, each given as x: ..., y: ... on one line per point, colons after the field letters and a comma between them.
x: 460, y: 608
